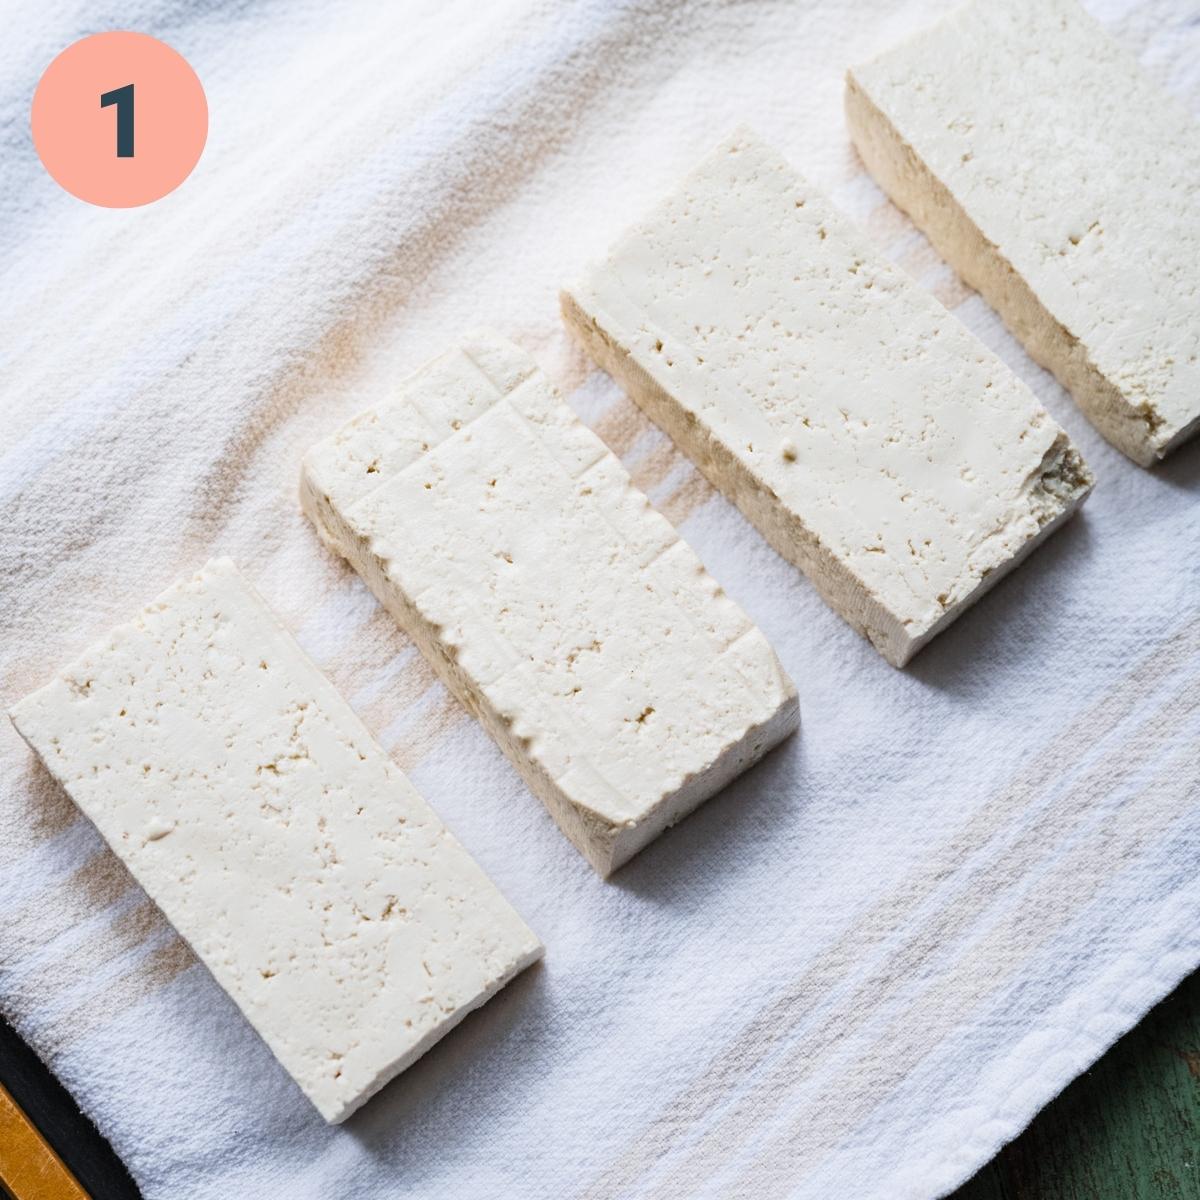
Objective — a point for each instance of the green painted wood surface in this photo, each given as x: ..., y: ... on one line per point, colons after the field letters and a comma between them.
x: 1128, y: 1129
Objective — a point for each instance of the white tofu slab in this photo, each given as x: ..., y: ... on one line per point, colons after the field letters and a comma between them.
x: 561, y: 609
x: 245, y: 796
x: 868, y: 435
x: 1064, y: 186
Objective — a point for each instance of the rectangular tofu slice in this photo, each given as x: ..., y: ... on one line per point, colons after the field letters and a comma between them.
x: 1064, y: 186
x: 559, y: 607
x: 873, y: 441
x: 245, y: 796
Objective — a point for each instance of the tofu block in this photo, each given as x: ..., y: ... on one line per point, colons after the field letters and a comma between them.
x: 244, y: 795
x: 555, y: 603
x: 1064, y: 186
x: 872, y: 440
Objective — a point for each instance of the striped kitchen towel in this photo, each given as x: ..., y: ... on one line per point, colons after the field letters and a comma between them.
x: 854, y: 974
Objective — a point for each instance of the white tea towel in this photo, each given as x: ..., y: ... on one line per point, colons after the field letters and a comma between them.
x: 855, y: 973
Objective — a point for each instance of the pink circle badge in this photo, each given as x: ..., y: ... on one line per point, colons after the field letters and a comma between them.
x: 119, y: 119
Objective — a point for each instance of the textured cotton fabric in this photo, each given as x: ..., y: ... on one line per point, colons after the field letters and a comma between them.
x: 856, y: 972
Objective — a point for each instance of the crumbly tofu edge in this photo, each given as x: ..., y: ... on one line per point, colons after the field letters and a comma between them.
x: 607, y: 845
x: 1137, y: 431
x: 1063, y: 483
